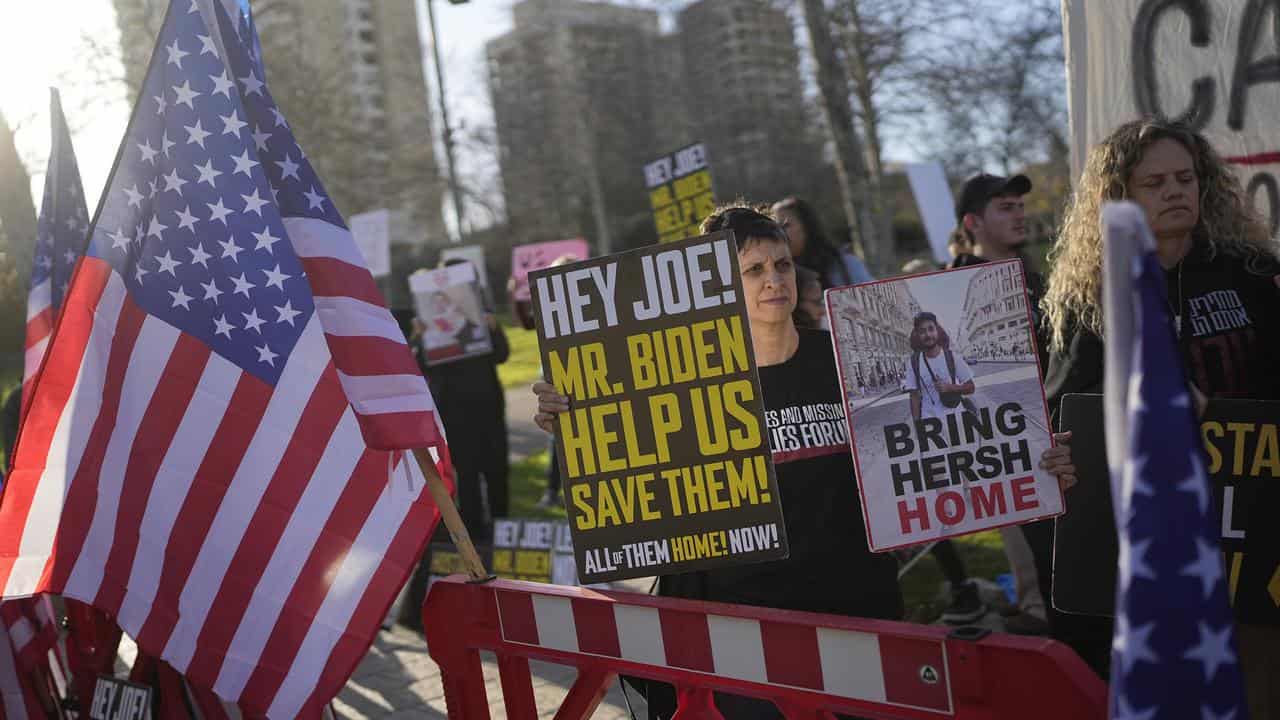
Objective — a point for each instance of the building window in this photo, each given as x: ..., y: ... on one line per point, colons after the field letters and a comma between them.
x: 369, y: 58
x: 366, y: 36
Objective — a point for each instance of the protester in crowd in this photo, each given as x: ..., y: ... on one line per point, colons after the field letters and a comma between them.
x: 810, y: 312
x: 991, y: 225
x: 811, y: 249
x: 472, y: 405
x: 1211, y: 244
x: 830, y: 569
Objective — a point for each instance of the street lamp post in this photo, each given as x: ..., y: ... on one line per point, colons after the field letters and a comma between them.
x: 446, y: 130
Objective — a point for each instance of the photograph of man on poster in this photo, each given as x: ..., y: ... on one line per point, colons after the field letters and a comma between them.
x: 947, y: 443
x: 937, y: 378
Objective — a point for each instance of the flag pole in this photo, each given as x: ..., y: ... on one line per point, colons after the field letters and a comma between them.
x: 452, y: 520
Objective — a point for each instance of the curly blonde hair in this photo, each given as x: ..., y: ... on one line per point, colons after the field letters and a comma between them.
x: 1227, y: 223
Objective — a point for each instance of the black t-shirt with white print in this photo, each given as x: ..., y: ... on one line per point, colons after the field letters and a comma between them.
x: 830, y: 569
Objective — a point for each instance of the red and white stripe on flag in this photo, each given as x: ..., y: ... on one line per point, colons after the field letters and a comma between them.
x: 855, y: 665
x: 18, y: 699
x: 39, y: 326
x: 247, y: 535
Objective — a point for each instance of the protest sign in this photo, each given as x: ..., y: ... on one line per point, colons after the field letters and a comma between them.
x: 1209, y: 62
x: 534, y: 256
x: 451, y: 309
x: 956, y: 450
x: 372, y: 231
x: 522, y: 549
x: 1242, y: 451
x: 933, y: 200
x: 119, y: 700
x: 663, y: 451
x: 680, y: 192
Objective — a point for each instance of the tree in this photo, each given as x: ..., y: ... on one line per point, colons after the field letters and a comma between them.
x: 17, y: 211
x: 1001, y: 95
x: 849, y: 159
x: 17, y: 237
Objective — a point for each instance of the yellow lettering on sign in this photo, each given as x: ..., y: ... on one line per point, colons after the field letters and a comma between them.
x: 1208, y: 430
x: 1267, y: 454
x: 660, y: 196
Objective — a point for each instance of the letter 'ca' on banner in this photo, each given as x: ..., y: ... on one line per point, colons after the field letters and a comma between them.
x: 1210, y: 63
x: 663, y: 450
x: 947, y: 413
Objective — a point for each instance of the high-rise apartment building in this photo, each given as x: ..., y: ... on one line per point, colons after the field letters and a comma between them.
x: 585, y: 93
x: 573, y: 94
x: 745, y: 95
x: 349, y: 76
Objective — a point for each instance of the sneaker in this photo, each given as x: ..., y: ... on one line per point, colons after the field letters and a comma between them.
x: 1026, y: 624
x: 965, y: 606
x: 549, y: 499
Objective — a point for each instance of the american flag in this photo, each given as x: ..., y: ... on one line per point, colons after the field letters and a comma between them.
x: 1174, y: 651
x: 61, y: 234
x: 32, y: 671
x: 212, y: 450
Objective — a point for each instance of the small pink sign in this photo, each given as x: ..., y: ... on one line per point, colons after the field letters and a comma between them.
x: 535, y: 256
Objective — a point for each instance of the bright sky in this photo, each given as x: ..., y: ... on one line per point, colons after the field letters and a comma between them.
x: 47, y: 43
x: 942, y: 295
x: 42, y: 44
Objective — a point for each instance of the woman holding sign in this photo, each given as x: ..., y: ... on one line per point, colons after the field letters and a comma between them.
x: 1223, y: 278
x: 830, y: 569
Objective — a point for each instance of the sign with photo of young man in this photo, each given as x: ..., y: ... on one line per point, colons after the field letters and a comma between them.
x: 954, y: 449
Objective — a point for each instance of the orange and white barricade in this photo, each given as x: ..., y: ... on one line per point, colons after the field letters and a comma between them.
x: 809, y: 665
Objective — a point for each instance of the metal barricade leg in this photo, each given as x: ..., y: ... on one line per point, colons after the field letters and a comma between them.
x: 517, y: 687
x: 585, y: 695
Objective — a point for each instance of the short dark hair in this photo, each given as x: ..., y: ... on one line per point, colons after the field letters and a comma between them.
x: 749, y: 224
x: 924, y: 317
x: 943, y: 338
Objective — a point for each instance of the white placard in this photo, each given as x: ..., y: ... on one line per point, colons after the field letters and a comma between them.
x: 450, y: 306
x: 937, y: 209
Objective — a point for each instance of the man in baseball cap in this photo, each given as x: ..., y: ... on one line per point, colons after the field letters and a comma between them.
x: 991, y: 225
x: 990, y: 219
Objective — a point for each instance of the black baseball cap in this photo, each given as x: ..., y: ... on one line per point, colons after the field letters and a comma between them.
x: 924, y: 317
x: 980, y: 189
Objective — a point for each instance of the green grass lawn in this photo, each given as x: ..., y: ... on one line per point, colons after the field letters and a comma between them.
x: 522, y: 368
x: 983, y: 553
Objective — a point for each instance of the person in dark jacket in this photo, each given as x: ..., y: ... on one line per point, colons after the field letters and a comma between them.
x: 1223, y: 273
x: 473, y: 407
x: 991, y: 225
x: 830, y: 568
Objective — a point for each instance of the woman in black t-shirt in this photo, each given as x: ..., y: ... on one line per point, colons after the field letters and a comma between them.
x: 830, y: 569
x: 1222, y: 269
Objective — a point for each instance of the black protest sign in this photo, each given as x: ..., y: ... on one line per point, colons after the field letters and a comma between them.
x: 663, y: 449
x: 1242, y: 448
x: 680, y: 192
x: 119, y: 700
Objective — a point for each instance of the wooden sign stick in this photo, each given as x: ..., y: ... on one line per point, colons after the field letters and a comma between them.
x: 452, y: 520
